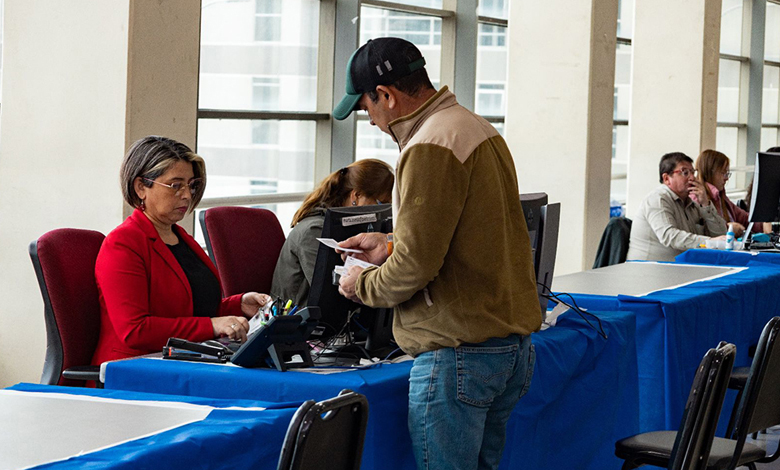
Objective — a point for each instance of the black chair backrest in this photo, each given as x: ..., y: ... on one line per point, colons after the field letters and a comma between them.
x: 759, y: 408
x: 694, y: 439
x: 327, y: 435
x: 613, y: 246
x: 64, y: 262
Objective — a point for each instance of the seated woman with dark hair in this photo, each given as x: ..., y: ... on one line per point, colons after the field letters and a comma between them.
x: 364, y: 182
x: 154, y: 280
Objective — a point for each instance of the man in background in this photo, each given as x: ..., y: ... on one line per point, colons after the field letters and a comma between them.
x: 669, y: 221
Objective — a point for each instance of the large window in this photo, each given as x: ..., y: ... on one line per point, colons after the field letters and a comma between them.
x: 732, y: 84
x: 770, y: 102
x: 492, y: 61
x: 267, y: 73
x: 622, y: 100
x: 258, y: 101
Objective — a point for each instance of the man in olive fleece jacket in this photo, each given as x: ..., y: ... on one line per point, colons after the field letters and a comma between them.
x: 461, y: 274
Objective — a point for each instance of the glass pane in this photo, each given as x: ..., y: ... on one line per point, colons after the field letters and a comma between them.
x: 423, y: 31
x: 373, y: 143
x: 772, y: 32
x: 770, y: 98
x: 494, y: 8
x: 728, y: 91
x: 256, y: 157
x: 259, y: 55
x: 284, y: 212
x: 491, y: 71
x: 625, y: 26
x: 617, y: 191
x: 499, y: 127
x: 727, y: 141
x: 619, y: 150
x: 622, y: 96
x: 731, y: 27
x: 768, y: 137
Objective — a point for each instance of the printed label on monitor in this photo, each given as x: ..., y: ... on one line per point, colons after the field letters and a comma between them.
x: 358, y: 219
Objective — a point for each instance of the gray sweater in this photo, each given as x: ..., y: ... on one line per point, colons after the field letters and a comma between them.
x: 295, y: 268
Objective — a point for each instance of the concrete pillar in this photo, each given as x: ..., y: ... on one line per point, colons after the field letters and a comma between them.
x: 81, y: 80
x: 674, y: 87
x: 559, y: 114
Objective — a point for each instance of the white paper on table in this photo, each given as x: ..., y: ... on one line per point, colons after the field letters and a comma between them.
x: 331, y: 243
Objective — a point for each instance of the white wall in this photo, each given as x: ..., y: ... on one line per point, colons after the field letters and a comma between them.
x: 674, y: 86
x: 73, y: 99
x: 61, y: 143
x: 559, y: 114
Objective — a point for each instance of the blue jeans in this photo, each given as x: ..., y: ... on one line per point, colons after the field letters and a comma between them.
x: 460, y: 400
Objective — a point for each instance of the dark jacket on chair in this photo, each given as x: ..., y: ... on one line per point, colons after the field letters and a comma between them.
x: 613, y: 246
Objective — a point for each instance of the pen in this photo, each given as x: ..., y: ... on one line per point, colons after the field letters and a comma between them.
x: 287, y: 307
x: 292, y: 310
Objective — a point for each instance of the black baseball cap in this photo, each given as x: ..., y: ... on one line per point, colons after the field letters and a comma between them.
x: 381, y: 61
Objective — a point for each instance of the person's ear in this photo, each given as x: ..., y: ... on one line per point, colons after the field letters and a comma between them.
x: 140, y: 189
x: 389, y: 95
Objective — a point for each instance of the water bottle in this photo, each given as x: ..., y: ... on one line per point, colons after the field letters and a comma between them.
x: 730, y: 238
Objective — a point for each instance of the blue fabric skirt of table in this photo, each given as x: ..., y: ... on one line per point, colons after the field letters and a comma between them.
x: 583, y: 397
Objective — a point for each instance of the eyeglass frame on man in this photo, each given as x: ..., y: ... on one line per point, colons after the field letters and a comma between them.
x: 178, y: 192
x: 691, y: 172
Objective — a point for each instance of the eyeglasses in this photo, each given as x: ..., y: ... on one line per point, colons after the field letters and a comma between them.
x: 195, y: 185
x: 726, y: 175
x: 685, y: 172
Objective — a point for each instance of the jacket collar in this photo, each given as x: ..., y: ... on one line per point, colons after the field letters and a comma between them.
x: 143, y: 222
x: 405, y: 127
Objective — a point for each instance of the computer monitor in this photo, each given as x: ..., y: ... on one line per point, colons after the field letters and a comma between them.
x: 765, y: 200
x: 372, y: 324
x: 542, y: 220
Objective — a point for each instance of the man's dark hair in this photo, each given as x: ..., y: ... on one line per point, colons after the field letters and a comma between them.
x: 669, y: 163
x: 411, y: 84
x: 773, y: 150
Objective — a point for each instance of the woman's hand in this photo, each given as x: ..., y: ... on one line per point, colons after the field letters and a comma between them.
x: 251, y: 302
x: 739, y: 229
x: 234, y: 328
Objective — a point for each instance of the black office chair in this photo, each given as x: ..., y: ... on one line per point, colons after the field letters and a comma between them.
x: 688, y: 448
x: 327, y: 435
x: 759, y: 409
x: 613, y: 247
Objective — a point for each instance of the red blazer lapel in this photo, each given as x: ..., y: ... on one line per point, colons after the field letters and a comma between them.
x: 161, y: 248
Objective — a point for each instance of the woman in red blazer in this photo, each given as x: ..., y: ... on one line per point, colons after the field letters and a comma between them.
x: 154, y: 279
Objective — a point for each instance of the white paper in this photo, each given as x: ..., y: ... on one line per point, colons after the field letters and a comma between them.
x: 352, y: 261
x: 557, y: 311
x: 331, y: 243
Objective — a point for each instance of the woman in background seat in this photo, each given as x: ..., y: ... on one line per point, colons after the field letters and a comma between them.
x: 362, y: 183
x: 154, y: 279
x: 713, y: 169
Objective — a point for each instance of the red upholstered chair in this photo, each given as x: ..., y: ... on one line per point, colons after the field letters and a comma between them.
x: 64, y: 262
x: 244, y: 243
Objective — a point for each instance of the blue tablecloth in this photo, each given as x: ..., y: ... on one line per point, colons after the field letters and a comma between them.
x: 225, y: 439
x: 584, y: 396
x: 676, y: 327
x: 728, y: 258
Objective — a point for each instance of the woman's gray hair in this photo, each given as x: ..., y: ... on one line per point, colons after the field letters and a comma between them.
x: 150, y: 157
